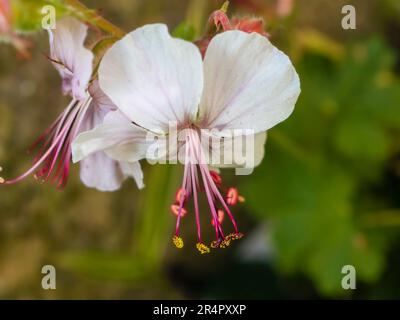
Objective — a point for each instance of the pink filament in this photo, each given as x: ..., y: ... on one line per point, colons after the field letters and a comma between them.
x: 56, y: 146
x: 195, y: 157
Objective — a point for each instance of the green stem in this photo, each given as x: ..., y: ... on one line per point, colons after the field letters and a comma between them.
x: 153, y: 232
x: 196, y: 14
x: 94, y: 18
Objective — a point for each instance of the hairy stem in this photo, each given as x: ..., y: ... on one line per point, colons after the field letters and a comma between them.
x: 94, y: 18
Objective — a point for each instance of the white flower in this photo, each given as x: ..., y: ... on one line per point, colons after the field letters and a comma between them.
x: 99, y: 170
x: 70, y: 57
x: 87, y: 109
x: 243, y: 83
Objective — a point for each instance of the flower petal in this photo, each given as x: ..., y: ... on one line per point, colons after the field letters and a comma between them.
x: 133, y: 170
x: 101, y: 172
x: 72, y: 60
x: 105, y: 174
x: 153, y: 78
x: 248, y: 83
x: 117, y: 136
x: 98, y: 109
x: 102, y: 101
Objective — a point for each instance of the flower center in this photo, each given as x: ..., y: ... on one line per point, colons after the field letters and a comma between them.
x: 198, y: 177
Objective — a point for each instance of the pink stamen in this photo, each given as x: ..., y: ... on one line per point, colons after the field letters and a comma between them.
x: 175, y: 210
x: 232, y: 196
x: 180, y: 193
x: 195, y: 201
x: 221, y: 216
x: 184, y: 187
x: 194, y: 161
x: 55, y: 152
x: 216, y: 177
x: 199, y: 159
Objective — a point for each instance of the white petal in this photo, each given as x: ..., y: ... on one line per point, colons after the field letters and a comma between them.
x: 117, y: 136
x: 153, y: 78
x: 135, y: 171
x: 98, y: 109
x: 249, y: 84
x: 102, y: 101
x: 105, y: 174
x: 101, y: 172
x: 93, y: 117
x: 74, y: 61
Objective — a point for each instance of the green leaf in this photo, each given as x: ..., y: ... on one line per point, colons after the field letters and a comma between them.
x: 321, y: 163
x: 185, y: 31
x: 106, y: 266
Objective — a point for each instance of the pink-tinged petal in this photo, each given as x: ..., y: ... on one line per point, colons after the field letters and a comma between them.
x: 102, y: 101
x: 249, y: 84
x: 153, y: 78
x: 105, y: 174
x: 99, y: 107
x: 117, y: 137
x: 101, y: 172
x: 94, y: 116
x: 72, y: 60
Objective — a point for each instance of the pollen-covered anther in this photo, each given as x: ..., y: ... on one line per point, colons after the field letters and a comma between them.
x: 202, y: 248
x: 177, y: 241
x: 225, y: 243
x: 235, y: 236
x: 215, y: 244
x: 232, y: 197
x: 175, y: 210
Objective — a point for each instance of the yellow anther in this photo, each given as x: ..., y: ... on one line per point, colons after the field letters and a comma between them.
x: 178, y: 242
x: 202, y: 248
x: 215, y: 244
x: 225, y: 243
x: 234, y: 236
x: 241, y: 199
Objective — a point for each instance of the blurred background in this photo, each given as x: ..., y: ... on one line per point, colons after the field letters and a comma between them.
x: 326, y: 195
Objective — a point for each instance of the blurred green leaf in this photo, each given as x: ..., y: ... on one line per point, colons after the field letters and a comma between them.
x: 185, y: 31
x: 106, y: 266
x: 335, y: 145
